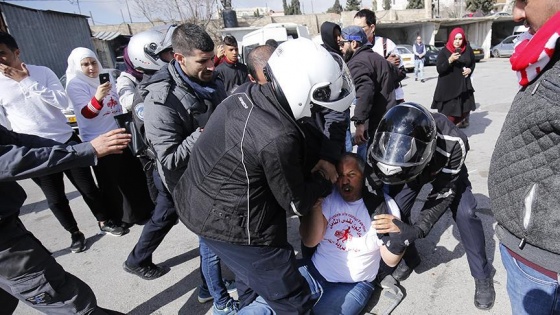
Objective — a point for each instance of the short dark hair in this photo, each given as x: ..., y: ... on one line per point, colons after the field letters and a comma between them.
x: 271, y: 42
x: 229, y: 40
x: 188, y: 37
x: 257, y: 59
x: 8, y: 40
x: 356, y: 157
x: 368, y: 14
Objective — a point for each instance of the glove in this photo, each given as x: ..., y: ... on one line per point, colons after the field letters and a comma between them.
x: 396, y: 243
x: 324, y: 185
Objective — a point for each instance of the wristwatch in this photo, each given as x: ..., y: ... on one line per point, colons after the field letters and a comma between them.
x: 358, y: 122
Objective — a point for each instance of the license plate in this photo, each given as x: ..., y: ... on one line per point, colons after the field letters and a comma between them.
x: 72, y: 119
x: 476, y: 51
x: 406, y: 59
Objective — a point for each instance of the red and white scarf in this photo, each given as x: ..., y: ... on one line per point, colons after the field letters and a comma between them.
x: 532, y: 55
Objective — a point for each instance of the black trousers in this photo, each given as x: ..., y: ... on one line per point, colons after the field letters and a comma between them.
x: 269, y: 272
x: 53, y: 187
x: 468, y: 223
x: 162, y: 220
x: 30, y: 274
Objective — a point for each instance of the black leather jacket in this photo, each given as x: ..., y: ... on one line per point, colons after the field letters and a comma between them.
x: 245, y: 172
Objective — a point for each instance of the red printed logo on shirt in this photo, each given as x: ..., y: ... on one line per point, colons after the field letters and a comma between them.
x: 112, y: 103
x: 344, y: 227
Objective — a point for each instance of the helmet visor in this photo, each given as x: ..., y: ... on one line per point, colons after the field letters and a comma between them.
x: 400, y: 150
x: 337, y: 94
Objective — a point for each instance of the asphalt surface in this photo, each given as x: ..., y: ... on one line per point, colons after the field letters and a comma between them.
x: 441, y: 284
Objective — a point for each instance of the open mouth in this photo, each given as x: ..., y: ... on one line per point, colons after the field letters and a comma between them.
x: 346, y: 188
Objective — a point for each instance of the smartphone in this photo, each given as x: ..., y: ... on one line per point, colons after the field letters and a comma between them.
x: 458, y: 50
x: 103, y: 77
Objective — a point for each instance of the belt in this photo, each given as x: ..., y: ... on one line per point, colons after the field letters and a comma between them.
x: 532, y: 265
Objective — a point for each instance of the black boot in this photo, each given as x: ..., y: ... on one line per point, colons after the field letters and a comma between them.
x: 403, y: 271
x: 484, y: 294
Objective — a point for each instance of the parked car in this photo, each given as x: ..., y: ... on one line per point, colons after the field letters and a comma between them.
x: 478, y: 52
x: 431, y: 55
x: 69, y: 112
x: 505, y: 47
x: 407, y: 57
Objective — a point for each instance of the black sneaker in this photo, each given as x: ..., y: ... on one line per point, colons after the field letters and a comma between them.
x: 484, y: 294
x: 112, y: 229
x: 78, y: 242
x: 149, y: 272
x: 422, y: 80
x: 403, y: 271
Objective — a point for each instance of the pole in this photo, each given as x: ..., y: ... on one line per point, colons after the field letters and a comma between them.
x: 122, y: 14
x: 91, y: 16
x: 79, y: 8
x: 312, y: 10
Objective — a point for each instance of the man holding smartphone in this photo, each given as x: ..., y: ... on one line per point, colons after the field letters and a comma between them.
x: 374, y: 79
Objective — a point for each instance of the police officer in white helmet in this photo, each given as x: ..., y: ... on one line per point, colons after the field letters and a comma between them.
x: 245, y: 175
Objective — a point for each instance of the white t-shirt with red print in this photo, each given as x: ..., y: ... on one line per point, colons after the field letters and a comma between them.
x: 349, y: 251
x: 81, y: 95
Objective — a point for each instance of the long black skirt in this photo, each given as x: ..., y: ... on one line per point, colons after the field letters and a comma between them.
x: 458, y: 106
x: 123, y: 187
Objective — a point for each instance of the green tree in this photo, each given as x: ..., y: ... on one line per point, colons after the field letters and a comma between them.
x: 386, y: 4
x: 483, y: 5
x: 226, y: 4
x: 415, y: 4
x: 353, y: 5
x: 293, y: 8
x: 336, y: 8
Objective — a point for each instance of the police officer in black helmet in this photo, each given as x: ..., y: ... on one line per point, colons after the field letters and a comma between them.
x: 413, y: 147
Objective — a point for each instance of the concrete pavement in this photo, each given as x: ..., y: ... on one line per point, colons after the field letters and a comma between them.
x: 441, y: 284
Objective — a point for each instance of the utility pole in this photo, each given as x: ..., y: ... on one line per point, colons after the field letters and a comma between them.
x: 91, y: 16
x: 79, y: 8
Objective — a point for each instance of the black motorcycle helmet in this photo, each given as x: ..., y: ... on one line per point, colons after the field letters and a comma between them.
x: 403, y: 144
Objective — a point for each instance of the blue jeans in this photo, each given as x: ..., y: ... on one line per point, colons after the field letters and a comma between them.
x: 530, y: 292
x: 338, y: 298
x: 419, y: 68
x: 362, y: 150
x: 212, y: 275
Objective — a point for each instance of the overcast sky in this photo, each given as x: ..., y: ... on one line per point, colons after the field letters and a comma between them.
x: 112, y: 11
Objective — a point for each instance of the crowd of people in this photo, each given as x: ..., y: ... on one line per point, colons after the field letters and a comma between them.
x: 231, y: 150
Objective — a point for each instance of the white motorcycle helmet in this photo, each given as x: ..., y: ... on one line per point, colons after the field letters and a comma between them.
x: 144, y: 48
x: 305, y: 74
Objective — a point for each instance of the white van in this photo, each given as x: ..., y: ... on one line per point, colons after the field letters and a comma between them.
x: 280, y: 32
x: 519, y: 29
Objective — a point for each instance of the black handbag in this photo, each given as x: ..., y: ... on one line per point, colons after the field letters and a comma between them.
x: 138, y: 144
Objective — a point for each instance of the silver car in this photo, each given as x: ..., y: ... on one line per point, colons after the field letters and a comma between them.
x: 505, y: 47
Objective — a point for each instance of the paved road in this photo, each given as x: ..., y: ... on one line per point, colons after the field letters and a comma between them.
x: 441, y: 285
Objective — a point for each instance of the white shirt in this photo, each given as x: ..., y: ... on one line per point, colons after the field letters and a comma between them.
x: 391, y: 47
x: 349, y: 251
x: 80, y: 94
x: 126, y: 86
x: 33, y: 106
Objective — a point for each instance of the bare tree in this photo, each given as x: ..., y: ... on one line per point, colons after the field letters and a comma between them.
x: 179, y: 11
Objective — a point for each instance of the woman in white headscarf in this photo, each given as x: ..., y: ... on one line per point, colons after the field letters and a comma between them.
x: 120, y: 177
